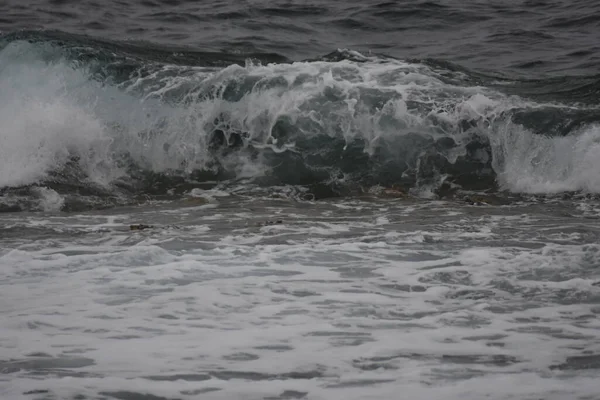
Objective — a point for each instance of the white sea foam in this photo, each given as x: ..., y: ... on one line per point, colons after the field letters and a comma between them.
x: 49, y: 200
x: 332, y: 302
x: 541, y: 164
x: 42, y: 123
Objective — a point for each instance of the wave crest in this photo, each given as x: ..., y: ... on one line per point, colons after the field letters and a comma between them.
x: 344, y: 122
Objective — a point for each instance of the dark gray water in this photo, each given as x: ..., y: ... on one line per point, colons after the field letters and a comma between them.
x: 299, y: 200
x: 525, y: 37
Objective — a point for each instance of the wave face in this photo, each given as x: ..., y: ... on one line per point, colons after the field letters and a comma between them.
x: 99, y: 122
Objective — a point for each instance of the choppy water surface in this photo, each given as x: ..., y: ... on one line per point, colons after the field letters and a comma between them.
x: 531, y: 36
x: 299, y: 200
x: 247, y: 298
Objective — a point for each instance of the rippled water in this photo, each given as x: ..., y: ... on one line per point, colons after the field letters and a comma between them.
x: 247, y: 298
x: 299, y: 200
x: 530, y: 36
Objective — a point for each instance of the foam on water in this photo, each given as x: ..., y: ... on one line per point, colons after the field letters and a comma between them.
x: 356, y: 299
x: 541, y: 164
x: 50, y: 200
x: 42, y: 122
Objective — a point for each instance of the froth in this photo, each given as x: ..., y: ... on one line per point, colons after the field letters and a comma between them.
x: 44, y: 124
x: 532, y: 163
x: 50, y: 200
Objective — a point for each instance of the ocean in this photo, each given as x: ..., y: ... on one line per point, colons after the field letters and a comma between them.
x: 299, y: 199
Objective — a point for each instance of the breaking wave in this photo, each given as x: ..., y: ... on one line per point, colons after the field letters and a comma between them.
x: 101, y: 122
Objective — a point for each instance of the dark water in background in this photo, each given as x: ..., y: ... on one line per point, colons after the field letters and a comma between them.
x: 529, y: 38
x: 106, y: 101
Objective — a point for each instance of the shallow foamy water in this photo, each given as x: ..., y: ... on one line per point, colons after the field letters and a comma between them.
x: 275, y: 299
